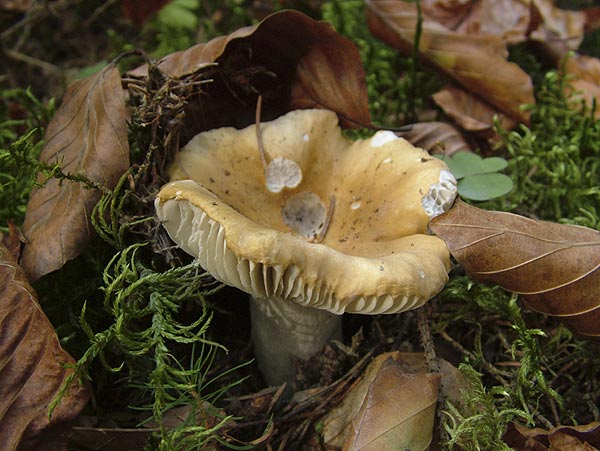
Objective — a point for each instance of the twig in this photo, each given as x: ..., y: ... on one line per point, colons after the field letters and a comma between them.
x: 261, y: 149
x: 487, y: 365
x: 433, y: 365
x: 32, y: 61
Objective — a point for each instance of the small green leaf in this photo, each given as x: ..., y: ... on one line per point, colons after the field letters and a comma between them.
x: 484, y: 186
x: 464, y: 163
x: 492, y: 164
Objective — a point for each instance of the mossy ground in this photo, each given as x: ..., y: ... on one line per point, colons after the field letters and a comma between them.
x: 118, y: 309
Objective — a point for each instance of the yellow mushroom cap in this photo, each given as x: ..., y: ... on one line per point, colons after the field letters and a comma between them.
x: 375, y: 256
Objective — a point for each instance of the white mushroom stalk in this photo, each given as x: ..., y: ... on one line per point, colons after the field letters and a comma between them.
x: 350, y: 237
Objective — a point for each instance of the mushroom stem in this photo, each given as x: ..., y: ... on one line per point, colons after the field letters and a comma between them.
x: 281, y: 330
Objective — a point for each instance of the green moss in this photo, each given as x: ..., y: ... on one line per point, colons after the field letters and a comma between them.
x: 23, y: 119
x: 394, y: 92
x: 515, y: 371
x: 555, y: 161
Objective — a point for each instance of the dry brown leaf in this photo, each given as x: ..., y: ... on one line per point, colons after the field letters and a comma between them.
x: 337, y: 423
x: 477, y: 62
x: 555, y: 267
x: 32, y: 369
x: 436, y: 138
x: 469, y: 111
x: 312, y: 66
x: 397, y: 413
x: 138, y: 11
x: 15, y: 5
x: 586, y: 79
x: 507, y: 19
x: 559, y: 25
x: 87, y: 135
x: 562, y: 438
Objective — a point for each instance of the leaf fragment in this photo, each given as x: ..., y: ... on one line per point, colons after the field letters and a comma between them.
x: 555, y: 267
x: 565, y: 438
x: 435, y: 138
x: 32, y: 368
x: 87, y: 136
x: 397, y: 413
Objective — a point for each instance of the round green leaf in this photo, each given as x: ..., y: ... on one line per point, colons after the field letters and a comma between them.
x: 492, y: 164
x: 484, y: 186
x: 462, y: 164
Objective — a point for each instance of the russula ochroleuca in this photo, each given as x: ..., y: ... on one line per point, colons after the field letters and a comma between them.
x: 350, y: 235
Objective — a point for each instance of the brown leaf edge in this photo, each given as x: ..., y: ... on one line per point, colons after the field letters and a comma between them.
x: 555, y: 267
x: 33, y: 367
x: 476, y: 62
x: 322, y: 67
x: 88, y: 136
x: 520, y: 437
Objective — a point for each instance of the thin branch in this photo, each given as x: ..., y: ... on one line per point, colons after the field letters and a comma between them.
x: 261, y: 149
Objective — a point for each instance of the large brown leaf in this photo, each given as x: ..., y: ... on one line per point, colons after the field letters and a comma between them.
x: 554, y: 266
x: 476, y: 61
x: 32, y: 369
x: 303, y: 63
x: 87, y: 135
x: 397, y: 412
x: 339, y: 422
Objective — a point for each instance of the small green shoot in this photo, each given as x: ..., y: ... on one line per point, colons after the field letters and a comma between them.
x: 478, y: 178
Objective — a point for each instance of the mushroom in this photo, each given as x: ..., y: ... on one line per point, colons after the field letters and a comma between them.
x: 349, y: 236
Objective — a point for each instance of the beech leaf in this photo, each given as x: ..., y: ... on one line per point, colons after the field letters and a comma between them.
x: 397, y: 413
x: 555, y: 267
x: 88, y: 135
x: 435, y: 138
x: 310, y: 65
x: 33, y: 367
x: 565, y: 438
x: 470, y: 111
x: 476, y: 61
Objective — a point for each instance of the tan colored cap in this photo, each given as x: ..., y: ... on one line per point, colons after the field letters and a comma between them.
x: 375, y: 256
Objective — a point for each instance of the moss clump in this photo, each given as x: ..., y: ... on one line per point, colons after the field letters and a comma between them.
x: 515, y: 371
x: 395, y: 91
x: 555, y: 161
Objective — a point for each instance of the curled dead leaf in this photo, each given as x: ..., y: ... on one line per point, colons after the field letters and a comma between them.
x: 294, y: 61
x: 88, y: 135
x: 33, y: 367
x: 477, y: 61
x: 555, y: 267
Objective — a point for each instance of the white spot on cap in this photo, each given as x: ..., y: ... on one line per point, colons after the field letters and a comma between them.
x: 305, y: 213
x: 421, y: 274
x: 305, y: 138
x: 383, y: 137
x: 387, y: 160
x: 282, y: 173
x: 355, y: 205
x: 440, y: 196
